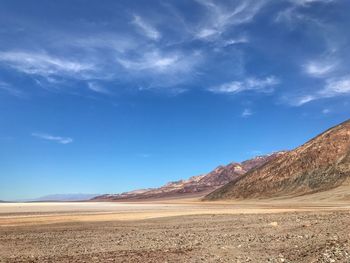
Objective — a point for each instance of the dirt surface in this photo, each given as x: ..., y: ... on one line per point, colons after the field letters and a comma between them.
x: 318, y: 236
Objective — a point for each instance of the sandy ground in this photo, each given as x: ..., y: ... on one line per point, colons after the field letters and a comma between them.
x: 176, y: 231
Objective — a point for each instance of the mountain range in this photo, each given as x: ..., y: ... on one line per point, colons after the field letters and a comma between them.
x: 196, y: 185
x: 319, y: 165
x: 65, y: 197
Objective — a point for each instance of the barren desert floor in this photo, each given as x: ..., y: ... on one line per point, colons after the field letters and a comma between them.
x: 176, y: 231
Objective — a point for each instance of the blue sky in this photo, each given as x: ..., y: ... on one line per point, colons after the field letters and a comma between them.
x: 109, y: 96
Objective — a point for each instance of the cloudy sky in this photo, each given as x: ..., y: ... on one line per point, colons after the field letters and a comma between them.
x: 108, y: 96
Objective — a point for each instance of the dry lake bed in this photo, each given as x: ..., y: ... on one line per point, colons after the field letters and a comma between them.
x: 175, y: 231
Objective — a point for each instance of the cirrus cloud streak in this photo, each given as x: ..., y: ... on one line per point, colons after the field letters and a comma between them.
x: 48, y: 137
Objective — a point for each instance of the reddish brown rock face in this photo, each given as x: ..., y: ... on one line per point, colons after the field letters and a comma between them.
x: 196, y: 184
x: 321, y: 164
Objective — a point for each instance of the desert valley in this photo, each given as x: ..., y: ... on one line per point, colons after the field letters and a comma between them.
x: 290, y: 206
x: 174, y: 131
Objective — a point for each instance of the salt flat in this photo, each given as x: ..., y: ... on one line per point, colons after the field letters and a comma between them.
x: 55, y: 212
x: 12, y: 214
x: 52, y: 207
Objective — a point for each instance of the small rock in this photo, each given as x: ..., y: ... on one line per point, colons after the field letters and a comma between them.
x: 273, y: 224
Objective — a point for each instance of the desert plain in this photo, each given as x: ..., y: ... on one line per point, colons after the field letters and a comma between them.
x: 302, y: 229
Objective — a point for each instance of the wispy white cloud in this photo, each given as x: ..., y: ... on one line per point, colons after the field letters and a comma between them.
x: 330, y: 65
x: 299, y: 18
x: 151, y: 64
x: 301, y: 100
x: 164, y: 68
x: 222, y: 17
x: 334, y: 87
x: 132, y: 56
x: 309, y: 2
x: 246, y: 113
x: 207, y: 32
x: 319, y: 68
x: 146, y: 28
x: 96, y: 87
x: 326, y: 111
x: 105, y: 41
x: 295, y: 15
x: 260, y: 85
x: 292, y: 14
x: 58, y: 139
x: 234, y: 41
x: 44, y: 65
x: 152, y: 61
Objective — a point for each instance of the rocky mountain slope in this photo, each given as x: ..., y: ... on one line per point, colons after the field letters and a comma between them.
x: 195, y: 185
x: 321, y: 164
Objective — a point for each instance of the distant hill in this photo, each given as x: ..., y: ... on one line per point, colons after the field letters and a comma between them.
x: 196, y: 185
x: 65, y: 197
x: 321, y: 164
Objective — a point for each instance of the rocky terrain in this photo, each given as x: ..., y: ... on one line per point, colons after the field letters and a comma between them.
x: 197, y: 184
x: 321, y: 164
x: 283, y: 237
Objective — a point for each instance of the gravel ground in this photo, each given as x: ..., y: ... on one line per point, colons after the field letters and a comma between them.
x: 282, y: 237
